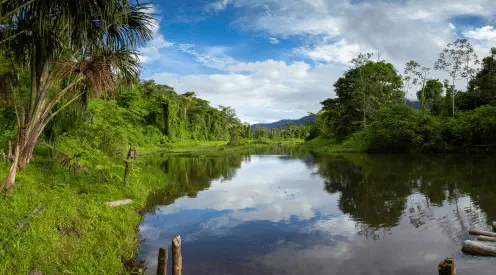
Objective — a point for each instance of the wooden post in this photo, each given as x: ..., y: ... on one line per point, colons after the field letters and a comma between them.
x: 177, y: 259
x: 163, y: 255
x: 447, y: 267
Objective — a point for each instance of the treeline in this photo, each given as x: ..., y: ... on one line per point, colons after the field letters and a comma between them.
x: 140, y: 114
x: 371, y: 113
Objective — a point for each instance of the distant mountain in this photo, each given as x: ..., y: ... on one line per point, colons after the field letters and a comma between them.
x: 283, y: 122
x: 415, y: 104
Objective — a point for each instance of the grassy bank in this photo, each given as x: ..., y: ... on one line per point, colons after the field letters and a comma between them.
x: 218, y: 148
x: 355, y: 144
x: 75, y: 233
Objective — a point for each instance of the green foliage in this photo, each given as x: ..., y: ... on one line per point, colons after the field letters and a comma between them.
x: 394, y: 129
x: 433, y: 93
x: 8, y: 127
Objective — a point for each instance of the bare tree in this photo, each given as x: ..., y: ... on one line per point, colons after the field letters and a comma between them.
x: 411, y: 77
x: 458, y: 60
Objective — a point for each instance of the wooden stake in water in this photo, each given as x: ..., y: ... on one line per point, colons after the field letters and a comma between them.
x: 447, y: 267
x: 177, y: 259
x: 163, y: 255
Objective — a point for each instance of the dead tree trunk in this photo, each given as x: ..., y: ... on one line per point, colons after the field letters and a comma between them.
x: 177, y: 259
x: 447, y: 267
x: 163, y: 256
x: 9, y: 181
x: 10, y: 156
x: 131, y: 155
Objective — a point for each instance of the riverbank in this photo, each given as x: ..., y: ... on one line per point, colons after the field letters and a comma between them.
x: 57, y: 220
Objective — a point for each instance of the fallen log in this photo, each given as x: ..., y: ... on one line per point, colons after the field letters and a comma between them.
x: 482, y: 233
x: 478, y: 248
x: 118, y: 203
x: 487, y: 239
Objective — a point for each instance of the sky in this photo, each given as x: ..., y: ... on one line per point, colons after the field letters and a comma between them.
x: 278, y: 59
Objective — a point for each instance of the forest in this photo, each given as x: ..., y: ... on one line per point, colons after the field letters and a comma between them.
x: 370, y: 112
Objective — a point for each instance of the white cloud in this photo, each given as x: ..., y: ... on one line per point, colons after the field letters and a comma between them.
x: 262, y: 91
x: 486, y: 34
x: 273, y: 40
x: 213, y: 57
x: 151, y: 51
x: 452, y: 26
x: 218, y: 5
x: 341, y: 52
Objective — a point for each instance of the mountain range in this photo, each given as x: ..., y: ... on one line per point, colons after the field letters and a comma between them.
x: 283, y: 122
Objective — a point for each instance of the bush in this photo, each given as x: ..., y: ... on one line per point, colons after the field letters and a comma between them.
x: 394, y: 130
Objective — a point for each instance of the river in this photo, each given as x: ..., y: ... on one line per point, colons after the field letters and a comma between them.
x: 288, y: 212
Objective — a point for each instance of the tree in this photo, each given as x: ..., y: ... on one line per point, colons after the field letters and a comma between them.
x: 433, y: 94
x: 457, y: 59
x: 68, y: 50
x: 411, y: 76
x: 363, y: 90
x: 482, y: 88
x: 423, y: 75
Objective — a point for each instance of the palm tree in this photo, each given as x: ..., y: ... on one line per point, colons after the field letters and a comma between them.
x: 68, y: 49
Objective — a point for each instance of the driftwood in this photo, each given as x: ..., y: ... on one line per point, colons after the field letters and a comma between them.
x: 163, y: 255
x: 479, y: 248
x: 487, y: 239
x: 118, y: 203
x: 132, y: 154
x: 482, y: 233
x: 177, y: 259
x: 447, y: 267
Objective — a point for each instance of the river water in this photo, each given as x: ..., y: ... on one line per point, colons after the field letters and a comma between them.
x: 288, y: 212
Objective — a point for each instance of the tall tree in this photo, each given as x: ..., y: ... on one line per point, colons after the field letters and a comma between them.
x: 411, y: 76
x: 71, y: 49
x: 363, y: 90
x: 458, y: 60
x: 433, y: 95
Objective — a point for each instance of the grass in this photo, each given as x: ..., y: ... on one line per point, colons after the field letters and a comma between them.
x: 224, y: 148
x: 76, y: 233
x: 354, y: 144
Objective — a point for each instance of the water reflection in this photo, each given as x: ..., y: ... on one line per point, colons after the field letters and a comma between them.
x: 299, y: 213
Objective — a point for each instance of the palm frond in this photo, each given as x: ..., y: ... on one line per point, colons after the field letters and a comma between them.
x: 102, y: 70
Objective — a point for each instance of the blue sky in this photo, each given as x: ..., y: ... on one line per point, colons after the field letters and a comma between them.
x: 275, y: 59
